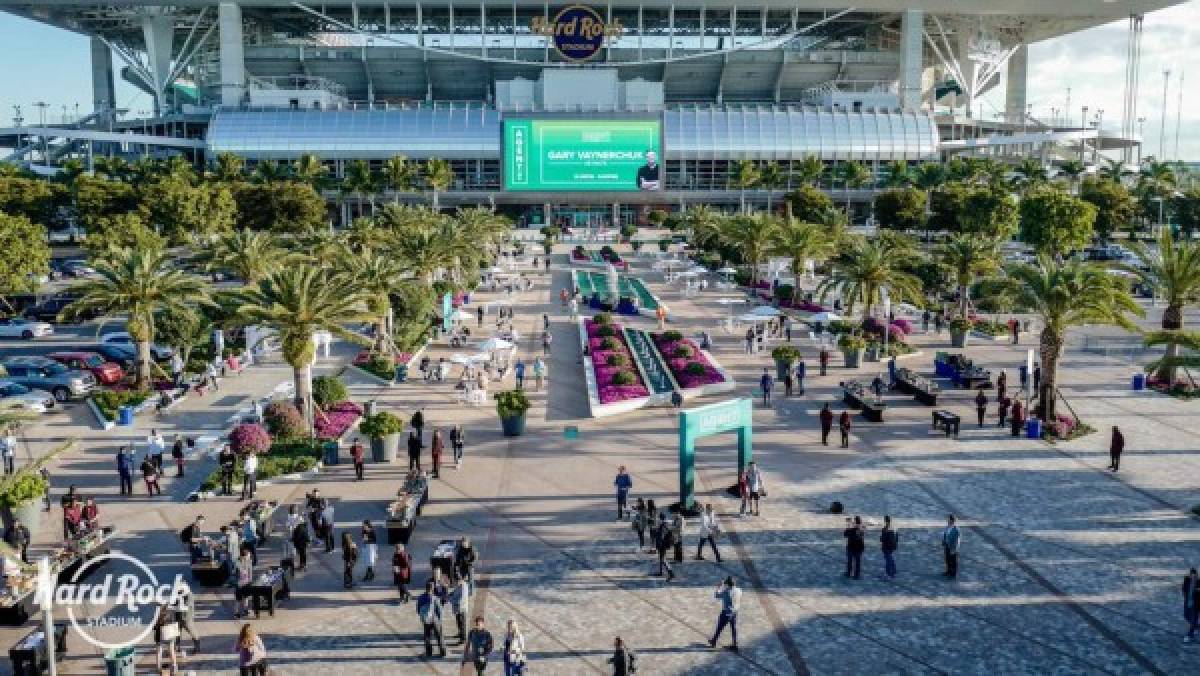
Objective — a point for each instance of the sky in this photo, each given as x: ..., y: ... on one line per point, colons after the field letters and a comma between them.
x: 40, y: 63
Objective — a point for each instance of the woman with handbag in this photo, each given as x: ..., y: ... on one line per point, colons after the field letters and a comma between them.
x: 349, y: 559
x: 514, y: 650
x: 252, y: 655
x: 166, y: 636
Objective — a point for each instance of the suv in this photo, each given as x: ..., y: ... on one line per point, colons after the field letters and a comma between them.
x: 49, y: 309
x: 46, y: 374
x: 122, y: 338
x: 105, y: 371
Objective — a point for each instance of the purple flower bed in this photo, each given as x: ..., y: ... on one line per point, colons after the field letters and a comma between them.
x: 679, y: 366
x: 249, y: 438
x: 336, y: 420
x: 904, y: 325
x: 608, y: 391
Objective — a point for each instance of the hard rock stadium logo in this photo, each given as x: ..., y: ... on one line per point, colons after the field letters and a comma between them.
x: 578, y: 32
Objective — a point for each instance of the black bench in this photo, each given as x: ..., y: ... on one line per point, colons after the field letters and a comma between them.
x: 948, y: 420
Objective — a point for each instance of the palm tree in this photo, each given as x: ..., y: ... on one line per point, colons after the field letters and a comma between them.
x: 378, y: 275
x: 1066, y: 294
x: 1113, y: 170
x: 247, y: 254
x: 854, y: 175
x: 969, y: 257
x: 929, y: 177
x: 704, y: 223
x: 229, y: 167
x: 809, y: 170
x: 360, y: 182
x: 1172, y: 360
x: 752, y: 236
x: 745, y: 175
x: 296, y: 302
x: 399, y: 176
x: 1072, y: 169
x: 897, y: 175
x: 309, y: 169
x: 869, y: 265
x: 112, y: 167
x: 799, y: 242
x: 1030, y: 172
x: 1160, y: 175
x: 771, y: 178
x: 1173, y: 270
x: 423, y: 240
x: 267, y: 171
x: 438, y: 176
x: 137, y: 284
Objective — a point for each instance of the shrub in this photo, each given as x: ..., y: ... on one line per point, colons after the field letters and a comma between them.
x: 511, y: 403
x: 851, y: 343
x: 379, y: 366
x: 961, y: 324
x: 284, y: 421
x: 672, y: 336
x: 664, y: 244
x: 108, y: 402
x: 628, y: 231
x: 615, y: 360
x: 606, y: 330
x: 328, y: 390
x: 623, y: 378
x: 29, y: 487
x: 249, y: 438
x: 785, y: 291
x: 602, y: 318
x: 608, y: 344
x: 785, y: 353
x: 681, y: 352
x: 694, y: 368
x: 381, y: 425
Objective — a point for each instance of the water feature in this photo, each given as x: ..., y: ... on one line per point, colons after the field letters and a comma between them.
x: 654, y: 370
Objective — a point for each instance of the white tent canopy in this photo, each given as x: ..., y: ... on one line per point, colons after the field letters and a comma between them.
x: 765, y: 311
x: 495, y: 344
x: 753, y: 318
x: 825, y: 317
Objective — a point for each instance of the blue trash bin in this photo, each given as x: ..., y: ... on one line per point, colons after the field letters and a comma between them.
x: 401, y: 373
x: 331, y: 452
x: 1139, y: 382
x: 1033, y: 428
x: 125, y: 415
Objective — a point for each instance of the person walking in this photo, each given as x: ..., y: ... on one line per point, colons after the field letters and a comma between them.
x: 1023, y: 376
x: 709, y: 530
x: 844, y: 428
x: 787, y: 328
x: 889, y: 542
x: 1115, y: 447
x: 429, y: 612
x: 758, y: 490
x: 300, y: 541
x: 125, y: 471
x: 8, y: 449
x: 823, y: 358
x: 249, y: 475
x: 414, y: 450
x: 1018, y: 418
x: 435, y: 452
x: 519, y: 371
x: 623, y: 659
x: 664, y: 540
x: 479, y: 647
x: 457, y: 441
x: 464, y: 561
x: 370, y: 548
x: 766, y: 383
x: 155, y: 447
x: 227, y: 460
x: 925, y: 317
x: 856, y: 543
x: 981, y: 402
x: 539, y: 373
x: 743, y: 492
x: 731, y: 600
x: 678, y: 528
x: 951, y: 540
x: 547, y: 339
x: 749, y: 341
x: 1002, y: 384
x: 1014, y: 327
x: 787, y: 383
x: 1191, y: 604
x: 252, y: 655
x: 243, y: 574
x: 800, y: 369
x: 18, y: 538
x: 460, y: 604
x: 623, y: 483
x: 349, y: 560
x: 150, y: 476
x: 356, y: 454
x: 826, y: 417
x: 1002, y: 407
x: 402, y: 571
x: 514, y: 650
x: 639, y: 522
x: 178, y: 456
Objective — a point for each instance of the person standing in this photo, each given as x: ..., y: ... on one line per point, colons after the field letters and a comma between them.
x: 788, y: 383
x: 414, y: 450
x: 731, y: 600
x: 125, y: 471
x: 457, y: 439
x: 623, y: 659
x: 889, y: 542
x: 479, y: 647
x: 356, y: 455
x: 826, y: 417
x: 250, y: 537
x: 519, y: 371
x: 349, y: 560
x: 249, y: 475
x: 243, y: 576
x: 1002, y: 407
x: 227, y: 460
x: 252, y: 655
x: 623, y: 483
x: 514, y: 650
x: 539, y: 373
x: 951, y: 540
x: 464, y: 561
x: 177, y: 369
x: 844, y: 428
x: 546, y: 340
x: 1002, y: 384
x: 429, y: 611
x: 1015, y: 327
x: 402, y: 571
x: 150, y: 476
x: 1115, y: 447
x: 749, y: 341
x: 18, y: 538
x: 1037, y: 378
x: 435, y: 452
x: 460, y: 603
x: 664, y: 540
x: 418, y: 424
x: 766, y: 383
x: 327, y: 525
x: 8, y: 448
x: 800, y: 369
x: 754, y: 482
x: 925, y: 317
x: 709, y: 530
x: 823, y: 358
x: 1018, y: 418
x: 1191, y: 604
x: 856, y: 543
x: 155, y: 447
x: 678, y: 527
x: 178, y: 456
x: 300, y: 541
x: 370, y: 549
x: 743, y: 492
x: 787, y: 328
x: 980, y: 406
x: 639, y: 522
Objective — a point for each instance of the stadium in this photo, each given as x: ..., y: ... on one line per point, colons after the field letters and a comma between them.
x: 549, y: 110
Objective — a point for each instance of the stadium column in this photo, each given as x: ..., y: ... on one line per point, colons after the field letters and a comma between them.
x: 104, y: 93
x: 912, y: 42
x: 158, y: 30
x: 1015, y: 88
x: 233, y: 62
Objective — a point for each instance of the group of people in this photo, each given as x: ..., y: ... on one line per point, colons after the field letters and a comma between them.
x: 457, y: 438
x: 855, y: 535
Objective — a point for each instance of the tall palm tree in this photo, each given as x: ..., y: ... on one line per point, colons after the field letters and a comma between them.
x: 929, y: 177
x: 439, y: 176
x: 267, y: 171
x: 296, y: 302
x: 745, y: 175
x: 1030, y: 172
x: 771, y: 178
x: 1172, y: 360
x: 1161, y: 175
x: 799, y: 242
x: 1173, y: 270
x: 399, y: 176
x: 1072, y: 169
x: 897, y: 175
x: 869, y: 265
x: 360, y: 182
x: 704, y: 223
x: 309, y: 169
x: 247, y: 254
x: 808, y: 171
x: 229, y: 167
x: 751, y: 235
x: 969, y: 257
x: 137, y: 284
x: 854, y: 175
x: 1113, y: 170
x: 378, y: 275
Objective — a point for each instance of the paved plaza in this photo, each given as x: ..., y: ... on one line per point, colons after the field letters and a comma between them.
x: 1066, y: 567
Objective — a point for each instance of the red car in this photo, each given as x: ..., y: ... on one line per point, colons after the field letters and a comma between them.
x: 106, y: 372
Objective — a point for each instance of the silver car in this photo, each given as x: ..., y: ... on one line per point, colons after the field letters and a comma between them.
x: 46, y: 374
x: 19, y: 327
x: 14, y: 396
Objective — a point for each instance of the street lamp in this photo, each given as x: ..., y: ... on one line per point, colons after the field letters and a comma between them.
x: 887, y: 326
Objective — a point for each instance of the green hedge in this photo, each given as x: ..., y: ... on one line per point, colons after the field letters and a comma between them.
x: 280, y: 460
x: 108, y: 401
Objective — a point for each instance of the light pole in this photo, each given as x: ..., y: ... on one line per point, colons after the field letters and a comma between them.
x: 42, y: 106
x: 887, y: 325
x: 1162, y: 127
x: 1141, y: 137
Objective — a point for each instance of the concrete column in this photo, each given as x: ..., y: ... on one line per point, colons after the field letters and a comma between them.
x: 968, y: 67
x: 158, y: 29
x: 912, y: 48
x: 233, y: 62
x: 104, y: 93
x: 1015, y: 88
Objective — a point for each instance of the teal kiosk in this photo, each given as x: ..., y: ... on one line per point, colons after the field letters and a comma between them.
x: 696, y: 423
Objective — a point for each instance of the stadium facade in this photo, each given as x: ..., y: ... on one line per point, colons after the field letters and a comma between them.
x: 557, y: 106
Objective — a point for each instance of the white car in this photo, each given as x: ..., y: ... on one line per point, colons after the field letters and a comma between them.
x: 19, y: 327
x: 21, y: 398
x: 157, y: 352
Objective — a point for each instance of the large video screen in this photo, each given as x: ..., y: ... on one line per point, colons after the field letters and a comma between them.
x: 558, y: 154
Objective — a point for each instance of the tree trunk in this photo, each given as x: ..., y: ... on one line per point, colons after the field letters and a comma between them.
x: 1172, y: 320
x: 962, y: 299
x: 1050, y: 350
x: 143, y: 364
x: 303, y: 380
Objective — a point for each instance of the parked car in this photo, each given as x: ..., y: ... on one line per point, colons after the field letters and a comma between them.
x: 49, y: 309
x: 46, y: 374
x: 68, y: 235
x: 121, y: 355
x: 76, y: 268
x: 106, y: 372
x: 158, y: 352
x: 14, y: 396
x: 20, y: 327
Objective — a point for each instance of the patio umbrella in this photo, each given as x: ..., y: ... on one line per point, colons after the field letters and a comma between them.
x: 765, y: 311
x: 460, y: 315
x: 825, y: 317
x: 465, y: 359
x: 753, y: 318
x: 493, y: 343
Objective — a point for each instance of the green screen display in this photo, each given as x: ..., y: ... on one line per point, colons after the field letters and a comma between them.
x: 582, y: 155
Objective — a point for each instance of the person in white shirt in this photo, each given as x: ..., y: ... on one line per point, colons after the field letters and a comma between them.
x: 709, y: 529
x: 8, y: 448
x: 156, y: 445
x: 249, y: 470
x: 754, y: 482
x: 177, y: 368
x: 327, y: 523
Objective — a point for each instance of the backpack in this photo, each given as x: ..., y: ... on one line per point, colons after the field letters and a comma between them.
x: 185, y: 535
x: 427, y: 612
x: 668, y: 538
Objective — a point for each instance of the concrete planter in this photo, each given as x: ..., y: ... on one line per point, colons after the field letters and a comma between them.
x: 958, y: 338
x: 385, y: 449
x: 853, y: 358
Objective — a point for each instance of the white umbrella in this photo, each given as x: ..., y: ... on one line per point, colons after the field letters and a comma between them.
x: 460, y: 315
x: 825, y: 317
x: 753, y: 318
x: 765, y: 311
x: 494, y: 343
x: 462, y: 359
x: 730, y: 301
x: 727, y: 270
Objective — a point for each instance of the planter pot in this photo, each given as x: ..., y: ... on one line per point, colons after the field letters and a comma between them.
x: 958, y: 338
x: 385, y: 449
x: 853, y: 358
x: 514, y: 426
x: 30, y: 515
x: 871, y: 355
x: 782, y: 368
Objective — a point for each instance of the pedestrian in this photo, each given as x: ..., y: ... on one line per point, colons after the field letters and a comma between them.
x: 539, y: 373
x: 417, y: 423
x: 289, y: 527
x: 709, y: 530
x: 651, y: 521
x: 429, y: 611
x: 547, y: 263
x: 623, y: 483
x: 787, y: 383
x: 925, y: 317
x: 212, y: 376
x: 18, y: 538
x: 464, y: 561
x: 1037, y: 378
x: 1018, y: 418
x: 227, y: 460
x: 1115, y: 448
x: 243, y: 576
x: 479, y: 647
x: 327, y: 525
x: 249, y: 475
x: 460, y: 604
x: 743, y: 492
x: 980, y: 406
x: 184, y: 611
x: 125, y: 471
x: 414, y: 450
x: 155, y: 447
x: 8, y: 448
x: 1014, y: 327
x: 1023, y: 376
x: 660, y: 313
x: 91, y: 515
x: 177, y: 369
x: 766, y: 383
x: 823, y: 358
x: 758, y: 490
x: 639, y: 522
x: 787, y: 328
x: 402, y: 571
x: 678, y: 528
x: 731, y: 600
x: 150, y: 476
x: 856, y: 543
x: 800, y: 369
x: 349, y: 560
x: 519, y: 370
x: 844, y: 428
x: 1191, y: 604
x: 546, y: 340
x: 300, y: 541
x: 166, y: 638
x: 370, y: 549
x: 937, y: 323
x: 252, y: 655
x: 951, y: 539
x: 356, y: 454
x: 623, y: 659
x: 514, y: 650
x: 178, y: 456
x: 1002, y: 407
x: 573, y: 306
x: 1001, y: 384
x: 889, y: 542
x: 826, y: 417
x: 664, y: 539
x: 749, y: 341
x: 436, y: 445
x: 250, y: 537
x: 457, y: 440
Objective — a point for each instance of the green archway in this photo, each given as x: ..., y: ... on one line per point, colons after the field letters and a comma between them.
x: 696, y: 423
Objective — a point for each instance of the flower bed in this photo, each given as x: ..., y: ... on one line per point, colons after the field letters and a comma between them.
x: 109, y: 402
x: 282, y: 459
x: 336, y: 420
x: 601, y: 348
x: 694, y: 370
x: 1179, y: 390
x: 1066, y: 428
x: 377, y: 364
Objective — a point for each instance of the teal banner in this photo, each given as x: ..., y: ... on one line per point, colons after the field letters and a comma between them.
x: 695, y: 423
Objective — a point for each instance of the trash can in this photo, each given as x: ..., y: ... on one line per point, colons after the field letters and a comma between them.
x: 1033, y: 428
x: 401, y: 373
x: 125, y: 415
x: 331, y: 452
x: 120, y: 661
x: 372, y: 407
x: 1139, y: 382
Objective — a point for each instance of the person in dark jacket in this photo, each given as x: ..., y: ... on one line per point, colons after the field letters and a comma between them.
x: 464, y: 562
x: 418, y: 423
x: 479, y: 645
x: 856, y: 542
x: 18, y: 538
x: 1018, y: 418
x: 1191, y: 604
x: 624, y: 660
x: 414, y: 450
x: 826, y: 416
x: 889, y: 542
x: 1115, y: 448
x: 664, y: 541
x: 125, y: 471
x: 227, y: 460
x: 981, y: 406
x: 349, y: 560
x: 402, y: 572
x: 356, y: 454
x: 300, y: 540
x: 844, y: 427
x: 766, y: 383
x: 429, y: 612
